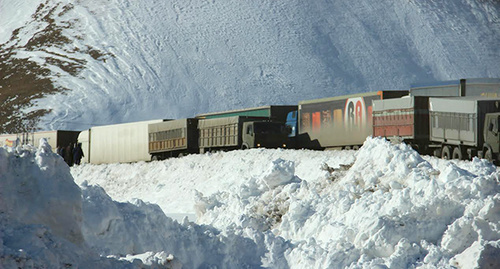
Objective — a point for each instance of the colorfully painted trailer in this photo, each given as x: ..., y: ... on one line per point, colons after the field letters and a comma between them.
x: 403, y: 119
x: 173, y: 138
x: 118, y: 143
x: 338, y: 122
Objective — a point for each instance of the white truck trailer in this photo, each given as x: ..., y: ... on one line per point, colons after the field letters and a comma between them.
x: 118, y: 143
x: 54, y: 138
x: 464, y: 127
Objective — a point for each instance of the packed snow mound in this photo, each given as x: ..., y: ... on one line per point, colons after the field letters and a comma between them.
x: 47, y: 221
x: 141, y: 230
x: 384, y: 206
x: 42, y: 216
x: 37, y: 188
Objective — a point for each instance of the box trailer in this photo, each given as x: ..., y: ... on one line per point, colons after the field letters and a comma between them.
x: 58, y: 138
x: 173, y: 138
x: 118, y: 143
x: 464, y: 127
x: 239, y: 132
x: 338, y: 122
x: 485, y: 87
x: 403, y: 119
x: 276, y: 113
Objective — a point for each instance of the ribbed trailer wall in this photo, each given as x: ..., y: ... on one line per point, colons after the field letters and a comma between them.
x: 458, y: 121
x: 176, y: 135
x: 220, y: 132
x: 406, y: 117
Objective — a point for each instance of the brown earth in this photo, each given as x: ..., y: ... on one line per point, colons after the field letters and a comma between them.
x: 23, y: 80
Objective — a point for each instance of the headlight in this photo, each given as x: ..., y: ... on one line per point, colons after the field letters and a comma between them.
x: 258, y: 145
x: 284, y: 145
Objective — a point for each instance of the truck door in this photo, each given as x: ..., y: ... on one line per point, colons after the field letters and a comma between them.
x: 491, y: 133
x: 248, y: 135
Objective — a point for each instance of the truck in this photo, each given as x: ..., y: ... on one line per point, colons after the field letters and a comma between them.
x: 404, y: 119
x: 464, y: 127
x: 58, y: 138
x: 240, y: 132
x: 275, y: 113
x: 485, y: 87
x: 342, y: 122
x: 173, y: 138
x: 117, y: 143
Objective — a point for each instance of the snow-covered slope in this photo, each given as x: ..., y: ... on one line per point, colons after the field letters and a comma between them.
x: 127, y: 60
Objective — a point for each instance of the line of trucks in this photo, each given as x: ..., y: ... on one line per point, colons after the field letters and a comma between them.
x: 453, y: 119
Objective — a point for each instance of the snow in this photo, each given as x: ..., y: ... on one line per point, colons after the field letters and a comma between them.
x: 175, y: 59
x: 384, y: 206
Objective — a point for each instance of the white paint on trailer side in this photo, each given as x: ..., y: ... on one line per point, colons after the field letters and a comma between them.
x: 50, y: 136
x: 120, y: 143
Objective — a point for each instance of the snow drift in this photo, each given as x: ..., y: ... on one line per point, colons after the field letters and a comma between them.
x: 384, y: 206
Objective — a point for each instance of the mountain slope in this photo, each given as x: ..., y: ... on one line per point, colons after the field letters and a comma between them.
x: 120, y: 61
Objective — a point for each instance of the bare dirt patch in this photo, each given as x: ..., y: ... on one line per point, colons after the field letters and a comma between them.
x: 23, y: 80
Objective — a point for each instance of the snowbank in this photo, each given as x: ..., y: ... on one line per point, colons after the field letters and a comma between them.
x: 47, y: 221
x: 41, y: 215
x: 384, y: 206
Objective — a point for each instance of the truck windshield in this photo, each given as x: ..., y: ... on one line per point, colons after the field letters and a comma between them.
x: 269, y: 128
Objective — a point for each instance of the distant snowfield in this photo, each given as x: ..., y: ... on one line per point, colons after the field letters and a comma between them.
x: 174, y: 59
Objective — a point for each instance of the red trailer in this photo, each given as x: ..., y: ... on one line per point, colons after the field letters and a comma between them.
x: 403, y: 119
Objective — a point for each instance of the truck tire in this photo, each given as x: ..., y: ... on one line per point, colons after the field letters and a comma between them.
x: 445, y: 153
x: 245, y: 146
x: 489, y: 155
x: 437, y: 153
x: 457, y: 154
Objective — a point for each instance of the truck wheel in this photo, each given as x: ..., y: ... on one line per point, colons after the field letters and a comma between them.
x: 437, y: 153
x: 488, y: 155
x: 445, y: 153
x: 457, y: 154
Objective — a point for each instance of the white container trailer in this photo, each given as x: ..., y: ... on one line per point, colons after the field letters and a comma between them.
x: 118, y: 143
x: 462, y: 126
x: 54, y: 138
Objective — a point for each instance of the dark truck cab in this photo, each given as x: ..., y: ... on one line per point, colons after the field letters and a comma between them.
x: 264, y: 134
x: 240, y: 132
x: 491, y: 147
